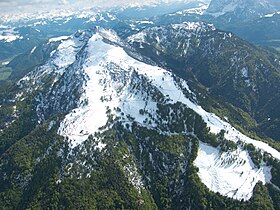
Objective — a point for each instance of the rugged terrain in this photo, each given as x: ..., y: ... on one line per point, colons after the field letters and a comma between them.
x: 140, y: 115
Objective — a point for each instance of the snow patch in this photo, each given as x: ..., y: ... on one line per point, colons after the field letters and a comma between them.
x: 271, y: 15
x: 145, y: 22
x: 193, y: 26
x: 108, y: 34
x: 9, y: 35
x: 232, y: 174
x: 200, y: 10
x: 244, y: 72
x: 5, y: 63
x: 3, y: 26
x: 57, y: 39
x: 133, y: 175
x: 51, y: 124
x: 33, y: 50
x: 40, y: 23
x: 111, y: 17
x: 66, y: 54
x: 139, y: 37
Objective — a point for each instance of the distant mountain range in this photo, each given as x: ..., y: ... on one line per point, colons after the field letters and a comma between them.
x: 242, y: 9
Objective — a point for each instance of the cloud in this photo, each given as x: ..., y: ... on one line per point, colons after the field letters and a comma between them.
x: 15, y: 5
x: 64, y: 2
x: 18, y: 7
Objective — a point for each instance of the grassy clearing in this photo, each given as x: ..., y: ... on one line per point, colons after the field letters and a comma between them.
x: 5, y: 72
x: 275, y: 40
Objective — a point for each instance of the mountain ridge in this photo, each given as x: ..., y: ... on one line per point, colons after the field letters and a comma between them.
x: 228, y: 67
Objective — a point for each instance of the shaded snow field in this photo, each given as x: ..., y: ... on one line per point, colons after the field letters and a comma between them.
x: 110, y: 73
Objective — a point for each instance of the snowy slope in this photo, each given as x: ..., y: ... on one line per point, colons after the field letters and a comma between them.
x: 110, y: 73
x: 232, y: 174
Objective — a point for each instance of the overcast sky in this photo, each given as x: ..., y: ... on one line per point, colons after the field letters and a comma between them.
x: 19, y: 6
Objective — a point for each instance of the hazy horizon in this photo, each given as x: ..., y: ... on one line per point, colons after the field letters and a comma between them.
x: 32, y: 6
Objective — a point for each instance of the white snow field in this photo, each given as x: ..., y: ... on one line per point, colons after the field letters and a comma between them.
x: 232, y: 174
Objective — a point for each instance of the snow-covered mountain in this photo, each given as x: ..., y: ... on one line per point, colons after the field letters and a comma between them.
x: 130, y: 113
x: 98, y: 81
